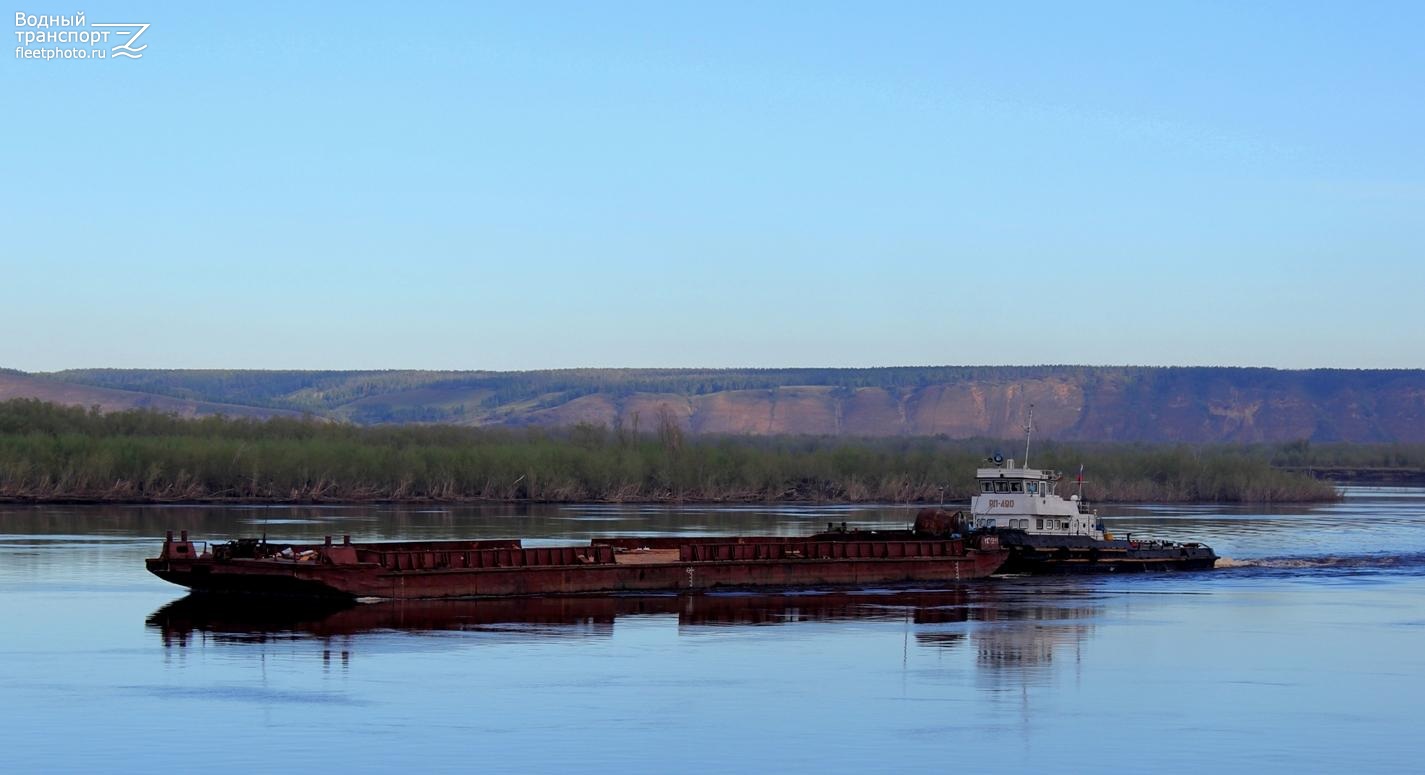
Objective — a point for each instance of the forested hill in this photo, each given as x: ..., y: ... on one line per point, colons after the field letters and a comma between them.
x: 1071, y: 402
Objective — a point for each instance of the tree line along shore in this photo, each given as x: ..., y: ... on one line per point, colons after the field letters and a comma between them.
x: 50, y: 452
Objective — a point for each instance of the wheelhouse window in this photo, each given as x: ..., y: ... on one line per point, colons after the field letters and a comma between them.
x: 1039, y: 524
x: 987, y: 487
x: 1016, y: 487
x: 1031, y: 487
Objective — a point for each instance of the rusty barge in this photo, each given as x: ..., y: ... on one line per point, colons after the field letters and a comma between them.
x: 505, y: 568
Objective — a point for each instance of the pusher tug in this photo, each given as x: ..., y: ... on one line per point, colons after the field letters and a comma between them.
x: 1045, y: 533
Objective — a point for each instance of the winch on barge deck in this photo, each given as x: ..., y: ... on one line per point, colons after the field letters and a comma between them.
x: 505, y: 568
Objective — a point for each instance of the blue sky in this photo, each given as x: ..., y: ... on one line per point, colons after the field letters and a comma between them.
x: 523, y: 185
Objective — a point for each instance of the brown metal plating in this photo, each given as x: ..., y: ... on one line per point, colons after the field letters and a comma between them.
x: 504, y: 569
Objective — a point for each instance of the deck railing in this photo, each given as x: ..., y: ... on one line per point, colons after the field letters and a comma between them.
x: 820, y: 550
x: 541, y: 556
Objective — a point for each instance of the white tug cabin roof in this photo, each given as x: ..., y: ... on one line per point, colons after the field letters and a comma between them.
x: 1027, y: 499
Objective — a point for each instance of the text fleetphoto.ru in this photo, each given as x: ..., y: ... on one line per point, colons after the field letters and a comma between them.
x: 47, y: 37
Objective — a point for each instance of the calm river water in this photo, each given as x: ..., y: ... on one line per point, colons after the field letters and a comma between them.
x: 1306, y: 653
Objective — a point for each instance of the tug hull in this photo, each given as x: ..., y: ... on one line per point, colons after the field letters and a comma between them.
x: 1039, y: 554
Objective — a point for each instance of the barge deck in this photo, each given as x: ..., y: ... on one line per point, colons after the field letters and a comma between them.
x: 505, y: 568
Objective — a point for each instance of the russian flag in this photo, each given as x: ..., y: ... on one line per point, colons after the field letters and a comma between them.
x: 1081, y: 473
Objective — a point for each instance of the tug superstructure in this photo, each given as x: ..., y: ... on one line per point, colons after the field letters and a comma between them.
x: 1048, y: 533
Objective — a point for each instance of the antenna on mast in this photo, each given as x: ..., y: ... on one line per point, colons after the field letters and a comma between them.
x: 1028, y: 431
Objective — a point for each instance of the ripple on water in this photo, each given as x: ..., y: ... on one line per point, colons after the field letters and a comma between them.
x: 1307, y: 636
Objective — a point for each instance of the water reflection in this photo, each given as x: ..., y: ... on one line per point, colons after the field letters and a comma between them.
x: 391, y: 522
x: 1012, y: 628
x: 1311, y: 637
x: 245, y: 620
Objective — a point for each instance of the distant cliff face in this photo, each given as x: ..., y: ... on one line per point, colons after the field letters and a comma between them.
x: 1070, y: 402
x: 1107, y: 406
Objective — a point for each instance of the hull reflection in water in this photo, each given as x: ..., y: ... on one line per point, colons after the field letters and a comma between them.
x: 244, y: 619
x: 1011, y: 629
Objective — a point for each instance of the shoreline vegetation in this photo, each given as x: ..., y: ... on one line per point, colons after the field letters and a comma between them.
x: 53, y: 453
